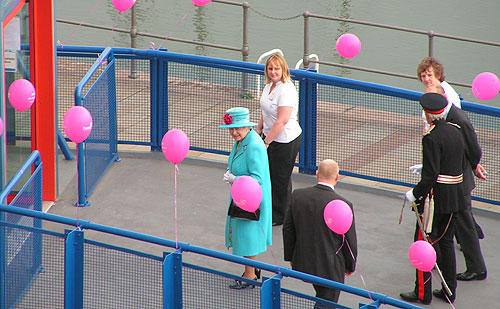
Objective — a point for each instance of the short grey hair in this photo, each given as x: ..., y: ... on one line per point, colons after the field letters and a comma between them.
x: 434, y: 117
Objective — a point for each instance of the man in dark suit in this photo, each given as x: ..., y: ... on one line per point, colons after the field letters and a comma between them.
x: 443, y: 157
x: 304, y: 222
x: 466, y: 229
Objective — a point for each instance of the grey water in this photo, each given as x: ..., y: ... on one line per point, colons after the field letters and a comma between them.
x: 279, y: 24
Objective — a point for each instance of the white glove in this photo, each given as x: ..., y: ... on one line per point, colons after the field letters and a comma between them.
x: 228, y: 177
x: 410, y: 197
x: 416, y: 169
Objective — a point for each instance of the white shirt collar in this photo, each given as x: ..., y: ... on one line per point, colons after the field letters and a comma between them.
x: 326, y: 184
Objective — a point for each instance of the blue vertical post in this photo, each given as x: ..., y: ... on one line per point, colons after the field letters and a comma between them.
x: 270, y: 293
x: 307, y: 118
x: 64, y: 146
x: 81, y: 176
x: 73, y: 270
x: 156, y: 97
x: 37, y: 188
x: 112, y: 111
x: 172, y: 281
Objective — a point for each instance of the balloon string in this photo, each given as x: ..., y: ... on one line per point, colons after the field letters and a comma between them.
x: 72, y: 33
x: 177, y: 25
x: 356, y: 267
x: 77, y: 216
x: 21, y: 144
x: 445, y: 294
x: 322, y: 57
x: 112, y: 29
x: 343, y: 240
x: 270, y: 248
x: 175, y: 202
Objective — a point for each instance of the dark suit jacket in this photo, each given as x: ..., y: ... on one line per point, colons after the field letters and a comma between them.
x: 309, y: 243
x: 443, y: 154
x: 472, y: 148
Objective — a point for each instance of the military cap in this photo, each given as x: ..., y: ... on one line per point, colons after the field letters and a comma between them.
x: 433, y: 103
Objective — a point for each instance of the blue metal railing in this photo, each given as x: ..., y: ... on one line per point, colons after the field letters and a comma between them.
x: 20, y: 253
x: 361, y: 125
x: 35, y: 159
x: 101, y: 102
x: 175, y: 292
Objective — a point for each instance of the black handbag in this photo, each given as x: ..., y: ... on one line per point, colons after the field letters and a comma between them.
x: 236, y: 212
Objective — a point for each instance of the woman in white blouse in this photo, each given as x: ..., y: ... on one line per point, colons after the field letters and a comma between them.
x: 280, y: 129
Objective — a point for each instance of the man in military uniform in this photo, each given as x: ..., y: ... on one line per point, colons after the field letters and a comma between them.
x: 443, y: 156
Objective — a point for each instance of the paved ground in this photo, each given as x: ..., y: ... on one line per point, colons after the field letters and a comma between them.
x: 138, y: 194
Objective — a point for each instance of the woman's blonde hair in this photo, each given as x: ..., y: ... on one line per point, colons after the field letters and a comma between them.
x: 280, y: 60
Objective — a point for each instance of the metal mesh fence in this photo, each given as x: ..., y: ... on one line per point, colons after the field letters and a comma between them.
x: 368, y: 134
x: 21, y: 248
x: 373, y: 136
x: 70, y: 70
x: 198, y: 98
x: 115, y: 278
x: 201, y: 289
x: 100, y: 146
x: 47, y: 288
x: 133, y: 101
x: 487, y: 129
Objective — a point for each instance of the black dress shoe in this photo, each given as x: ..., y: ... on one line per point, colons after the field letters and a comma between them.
x: 469, y: 276
x: 412, y: 297
x: 439, y: 293
x: 277, y: 223
x: 240, y: 285
x: 257, y: 273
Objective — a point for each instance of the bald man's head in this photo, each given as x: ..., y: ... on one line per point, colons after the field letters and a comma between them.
x: 328, y: 171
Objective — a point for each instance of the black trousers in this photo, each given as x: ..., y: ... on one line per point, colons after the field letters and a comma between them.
x: 282, y: 158
x: 423, y: 286
x: 443, y: 229
x: 326, y: 293
x: 468, y: 238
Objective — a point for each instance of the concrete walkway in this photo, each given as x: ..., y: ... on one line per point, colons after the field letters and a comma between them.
x: 138, y: 194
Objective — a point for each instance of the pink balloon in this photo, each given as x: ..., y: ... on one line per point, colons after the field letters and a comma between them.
x: 338, y: 216
x: 246, y: 193
x: 21, y: 94
x: 123, y: 5
x: 422, y: 255
x: 77, y: 123
x: 1, y: 126
x: 485, y: 86
x: 175, y: 145
x: 348, y: 45
x: 201, y: 2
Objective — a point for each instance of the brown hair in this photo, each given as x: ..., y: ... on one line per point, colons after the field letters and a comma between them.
x: 280, y: 60
x: 436, y: 66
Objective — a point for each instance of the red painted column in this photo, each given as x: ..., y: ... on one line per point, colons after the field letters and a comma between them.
x: 42, y: 59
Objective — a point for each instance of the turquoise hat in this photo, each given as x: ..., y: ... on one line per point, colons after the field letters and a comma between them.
x: 237, y: 117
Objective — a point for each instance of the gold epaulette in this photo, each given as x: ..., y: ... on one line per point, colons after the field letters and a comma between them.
x: 454, y: 124
x: 429, y: 130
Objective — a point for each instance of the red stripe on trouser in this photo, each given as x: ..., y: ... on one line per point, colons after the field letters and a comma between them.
x: 420, y: 274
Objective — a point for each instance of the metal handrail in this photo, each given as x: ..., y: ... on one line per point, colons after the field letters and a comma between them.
x: 107, y: 52
x: 306, y: 58
x: 185, y: 247
x: 430, y: 34
x: 316, y: 63
x: 34, y: 158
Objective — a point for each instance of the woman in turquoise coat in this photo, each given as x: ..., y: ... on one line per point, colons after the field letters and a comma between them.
x: 248, y: 157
